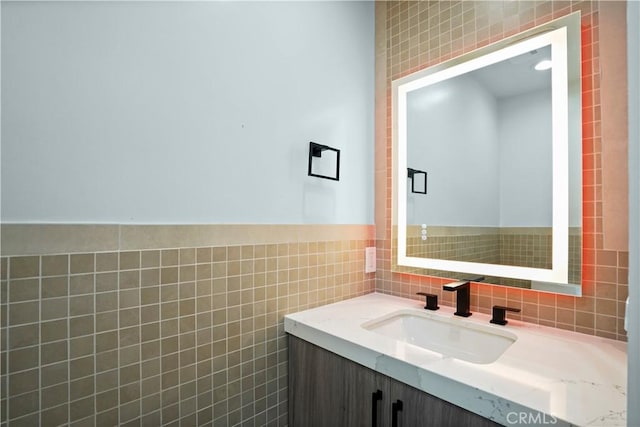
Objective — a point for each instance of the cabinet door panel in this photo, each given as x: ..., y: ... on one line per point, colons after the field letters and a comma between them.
x: 326, y: 390
x: 360, y: 387
x: 425, y: 410
x: 316, y: 386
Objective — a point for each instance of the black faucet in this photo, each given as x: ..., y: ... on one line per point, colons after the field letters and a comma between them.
x: 499, y: 314
x: 463, y: 297
x: 431, y: 301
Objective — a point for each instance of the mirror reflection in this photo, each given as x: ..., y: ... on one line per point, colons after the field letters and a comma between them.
x: 488, y: 139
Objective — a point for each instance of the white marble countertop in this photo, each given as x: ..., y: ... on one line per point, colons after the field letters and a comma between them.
x: 553, y: 377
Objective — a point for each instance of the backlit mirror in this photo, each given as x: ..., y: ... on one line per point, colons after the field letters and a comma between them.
x: 497, y: 132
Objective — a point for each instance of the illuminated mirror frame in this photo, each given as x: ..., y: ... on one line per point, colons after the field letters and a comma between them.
x: 555, y: 35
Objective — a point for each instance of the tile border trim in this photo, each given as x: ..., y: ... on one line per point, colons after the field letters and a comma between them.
x: 48, y: 239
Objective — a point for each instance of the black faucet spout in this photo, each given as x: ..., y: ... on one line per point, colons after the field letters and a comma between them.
x: 463, y: 296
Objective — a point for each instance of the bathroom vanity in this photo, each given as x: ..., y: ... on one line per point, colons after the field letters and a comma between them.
x: 346, y: 367
x: 328, y: 390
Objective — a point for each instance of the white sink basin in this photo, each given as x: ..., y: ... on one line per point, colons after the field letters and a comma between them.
x: 452, y: 337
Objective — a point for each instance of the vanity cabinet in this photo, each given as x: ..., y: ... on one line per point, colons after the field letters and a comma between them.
x: 327, y: 390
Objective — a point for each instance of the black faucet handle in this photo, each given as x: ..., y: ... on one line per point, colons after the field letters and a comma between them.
x: 499, y: 313
x: 431, y: 300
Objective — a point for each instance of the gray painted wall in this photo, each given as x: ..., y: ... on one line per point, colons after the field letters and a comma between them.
x: 185, y: 112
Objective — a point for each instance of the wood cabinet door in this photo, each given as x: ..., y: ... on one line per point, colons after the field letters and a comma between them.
x: 367, y: 395
x: 418, y: 408
x: 317, y: 384
x: 326, y: 390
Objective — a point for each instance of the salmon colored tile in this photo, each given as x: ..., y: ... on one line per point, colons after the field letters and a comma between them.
x: 499, y: 292
x: 547, y: 314
x: 484, y: 302
x: 607, y: 258
x: 585, y: 319
x: 606, y: 274
x: 547, y: 299
x: 585, y: 304
x: 606, y: 290
x: 606, y: 323
x: 566, y: 302
x: 623, y: 259
x: 606, y: 307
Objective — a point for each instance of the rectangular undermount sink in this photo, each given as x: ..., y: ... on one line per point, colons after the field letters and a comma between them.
x: 452, y: 337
